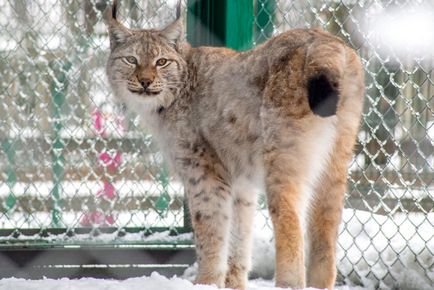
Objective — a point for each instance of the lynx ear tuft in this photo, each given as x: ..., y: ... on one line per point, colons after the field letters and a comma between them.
x: 114, y: 9
x: 110, y: 14
x: 178, y: 9
x: 118, y: 33
x: 174, y: 32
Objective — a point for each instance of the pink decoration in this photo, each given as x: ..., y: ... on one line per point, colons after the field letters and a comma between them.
x: 109, y: 161
x: 99, y: 120
x: 108, y: 191
x: 109, y: 219
x: 97, y: 218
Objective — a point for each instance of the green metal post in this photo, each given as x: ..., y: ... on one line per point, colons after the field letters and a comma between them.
x: 58, y: 89
x: 220, y: 23
x: 239, y: 24
x: 163, y: 201
x: 204, y: 22
x: 9, y: 148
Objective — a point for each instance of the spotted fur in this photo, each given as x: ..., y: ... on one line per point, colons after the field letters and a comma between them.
x: 280, y: 118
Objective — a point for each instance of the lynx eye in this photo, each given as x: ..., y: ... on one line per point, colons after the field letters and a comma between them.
x: 131, y: 59
x: 161, y: 62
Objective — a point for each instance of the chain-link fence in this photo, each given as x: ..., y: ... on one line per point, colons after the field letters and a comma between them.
x: 72, y: 165
x: 69, y: 158
x: 387, y: 232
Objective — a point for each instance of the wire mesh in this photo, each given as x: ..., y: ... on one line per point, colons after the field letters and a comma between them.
x: 388, y: 225
x: 70, y: 159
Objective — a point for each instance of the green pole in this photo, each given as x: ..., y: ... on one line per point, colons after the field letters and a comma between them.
x: 9, y: 148
x: 163, y: 201
x: 220, y: 23
x: 58, y: 89
x: 239, y: 24
x: 204, y: 22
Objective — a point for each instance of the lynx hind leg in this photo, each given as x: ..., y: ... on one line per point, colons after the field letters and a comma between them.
x: 285, y: 168
x: 295, y: 153
x: 244, y: 205
x: 323, y: 223
x: 327, y: 204
x: 326, y: 211
x: 210, y: 204
x: 284, y: 201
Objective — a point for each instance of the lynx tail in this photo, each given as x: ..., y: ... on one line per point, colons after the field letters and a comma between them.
x: 322, y: 95
x: 325, y: 65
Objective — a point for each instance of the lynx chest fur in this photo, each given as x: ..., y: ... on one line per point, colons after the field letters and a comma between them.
x: 281, y: 118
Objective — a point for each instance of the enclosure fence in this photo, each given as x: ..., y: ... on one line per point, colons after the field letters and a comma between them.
x: 74, y: 167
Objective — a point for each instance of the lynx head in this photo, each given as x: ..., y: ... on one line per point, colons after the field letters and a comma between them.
x: 145, y: 67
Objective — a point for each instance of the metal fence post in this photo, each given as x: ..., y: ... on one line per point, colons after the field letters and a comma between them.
x: 204, y: 25
x: 9, y: 148
x: 163, y: 201
x: 239, y: 24
x: 58, y: 89
x: 220, y: 23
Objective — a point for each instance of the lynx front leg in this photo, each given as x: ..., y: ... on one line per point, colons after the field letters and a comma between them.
x: 210, y: 205
x: 241, y: 235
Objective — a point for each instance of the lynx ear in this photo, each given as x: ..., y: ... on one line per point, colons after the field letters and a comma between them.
x: 118, y: 33
x: 174, y: 32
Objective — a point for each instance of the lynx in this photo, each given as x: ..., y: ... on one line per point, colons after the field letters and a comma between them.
x: 281, y: 118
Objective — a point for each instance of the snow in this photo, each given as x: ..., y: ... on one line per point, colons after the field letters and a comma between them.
x: 108, y: 238
x: 153, y: 282
x: 73, y: 189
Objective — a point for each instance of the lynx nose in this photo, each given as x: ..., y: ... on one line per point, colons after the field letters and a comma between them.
x: 146, y: 82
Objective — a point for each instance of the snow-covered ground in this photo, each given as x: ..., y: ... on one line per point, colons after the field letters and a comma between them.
x: 153, y: 282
